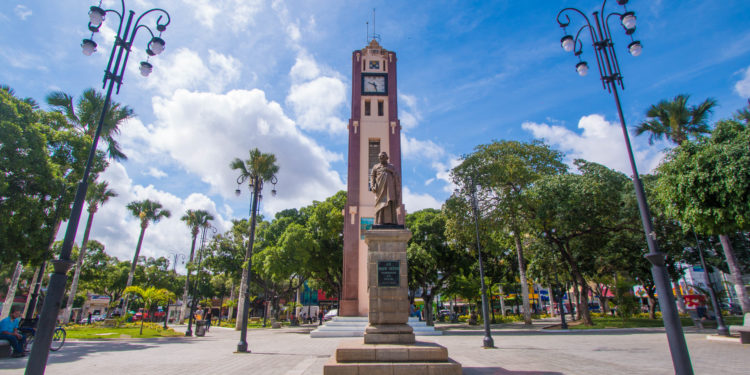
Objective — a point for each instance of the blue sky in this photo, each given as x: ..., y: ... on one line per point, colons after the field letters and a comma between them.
x: 276, y: 75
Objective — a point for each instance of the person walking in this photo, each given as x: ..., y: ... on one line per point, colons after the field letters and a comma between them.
x: 321, y: 314
x: 208, y: 319
x: 9, y: 331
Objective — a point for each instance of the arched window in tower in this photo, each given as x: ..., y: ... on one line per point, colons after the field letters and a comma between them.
x: 380, y: 108
x: 367, y: 107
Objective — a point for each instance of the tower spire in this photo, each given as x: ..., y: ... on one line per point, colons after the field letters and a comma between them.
x: 375, y: 35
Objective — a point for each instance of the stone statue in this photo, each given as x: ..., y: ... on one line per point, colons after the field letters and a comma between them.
x: 386, y: 185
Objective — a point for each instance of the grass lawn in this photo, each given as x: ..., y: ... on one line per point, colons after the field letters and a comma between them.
x: 610, y: 322
x: 129, y: 331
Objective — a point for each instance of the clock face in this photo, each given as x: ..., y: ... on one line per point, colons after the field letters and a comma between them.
x: 374, y: 84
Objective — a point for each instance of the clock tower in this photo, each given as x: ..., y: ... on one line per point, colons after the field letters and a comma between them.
x: 373, y: 127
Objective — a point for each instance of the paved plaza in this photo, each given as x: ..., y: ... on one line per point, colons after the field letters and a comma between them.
x: 291, y: 351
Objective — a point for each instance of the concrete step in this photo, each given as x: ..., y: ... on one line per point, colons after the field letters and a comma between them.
x: 332, y: 367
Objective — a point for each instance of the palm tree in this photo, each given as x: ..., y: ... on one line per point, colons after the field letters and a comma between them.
x: 675, y: 120
x: 86, y: 113
x: 195, y: 219
x: 147, y: 211
x: 97, y: 195
x: 150, y: 297
x: 259, y: 167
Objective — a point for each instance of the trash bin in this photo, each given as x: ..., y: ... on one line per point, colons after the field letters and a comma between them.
x: 200, y: 328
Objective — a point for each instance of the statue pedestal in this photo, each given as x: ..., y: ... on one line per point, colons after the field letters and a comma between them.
x: 388, y: 287
x: 389, y: 345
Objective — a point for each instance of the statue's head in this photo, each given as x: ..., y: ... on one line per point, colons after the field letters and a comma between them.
x: 383, y: 157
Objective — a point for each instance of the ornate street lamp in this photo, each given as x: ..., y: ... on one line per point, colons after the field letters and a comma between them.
x: 487, y: 342
x: 256, y: 184
x: 609, y: 71
x: 177, y: 257
x: 118, y: 58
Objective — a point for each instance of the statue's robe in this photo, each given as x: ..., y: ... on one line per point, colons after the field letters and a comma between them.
x: 385, y: 183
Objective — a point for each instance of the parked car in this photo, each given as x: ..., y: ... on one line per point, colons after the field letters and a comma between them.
x: 329, y: 315
x: 94, y: 318
x: 141, y: 313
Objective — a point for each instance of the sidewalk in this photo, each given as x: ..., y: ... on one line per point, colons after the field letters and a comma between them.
x: 291, y: 351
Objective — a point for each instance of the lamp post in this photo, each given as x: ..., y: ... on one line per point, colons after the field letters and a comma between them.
x: 559, y: 296
x: 193, y: 299
x: 487, y: 342
x: 256, y: 184
x: 176, y: 257
x: 721, y: 328
x: 609, y: 71
x: 113, y: 75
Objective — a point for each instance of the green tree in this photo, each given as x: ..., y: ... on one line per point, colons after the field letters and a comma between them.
x: 103, y: 274
x: 324, y: 221
x: 431, y: 261
x: 40, y: 162
x: 147, y: 211
x: 675, y: 120
x: 150, y: 298
x: 85, y: 116
x: 502, y: 171
x: 97, y: 195
x: 576, y: 213
x: 195, y: 220
x: 705, y: 184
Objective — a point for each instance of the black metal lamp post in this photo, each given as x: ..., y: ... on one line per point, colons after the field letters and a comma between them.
x: 609, y: 71
x: 256, y: 184
x: 118, y: 58
x: 487, y: 342
x: 177, y: 257
x: 559, y: 296
x: 721, y: 328
x: 193, y: 299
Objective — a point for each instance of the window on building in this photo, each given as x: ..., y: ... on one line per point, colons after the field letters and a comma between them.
x: 367, y: 107
x: 380, y: 108
x: 364, y: 64
x: 372, y: 158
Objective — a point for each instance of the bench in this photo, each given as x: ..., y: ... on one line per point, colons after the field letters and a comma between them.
x: 4, y: 348
x: 743, y: 330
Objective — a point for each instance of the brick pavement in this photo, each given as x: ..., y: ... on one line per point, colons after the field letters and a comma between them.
x: 287, y: 351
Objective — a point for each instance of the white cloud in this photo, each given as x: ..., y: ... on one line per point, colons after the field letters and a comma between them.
x: 185, y: 69
x: 235, y: 14
x: 204, y: 132
x: 600, y: 141
x: 414, y: 148
x: 315, y: 99
x: 742, y: 87
x: 23, y: 60
x: 444, y: 172
x: 118, y: 230
x: 415, y: 201
x: 408, y: 112
x: 155, y: 172
x: 22, y: 12
x: 305, y: 68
